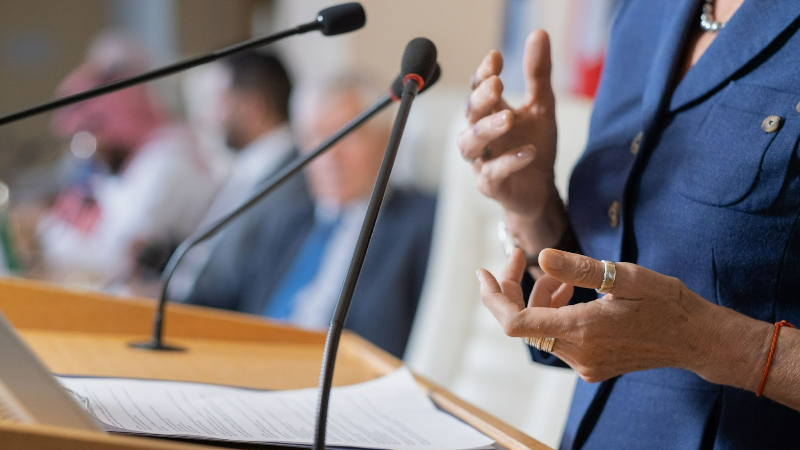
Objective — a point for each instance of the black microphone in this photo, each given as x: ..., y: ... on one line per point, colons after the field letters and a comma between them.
x: 330, y: 21
x: 419, y: 64
x: 157, y: 340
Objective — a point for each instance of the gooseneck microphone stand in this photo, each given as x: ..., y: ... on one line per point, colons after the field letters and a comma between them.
x: 156, y: 342
x: 330, y: 21
x: 346, y: 296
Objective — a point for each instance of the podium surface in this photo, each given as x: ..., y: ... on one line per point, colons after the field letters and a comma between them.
x: 87, y: 333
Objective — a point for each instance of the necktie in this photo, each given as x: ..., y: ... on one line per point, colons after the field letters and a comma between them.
x: 302, y: 270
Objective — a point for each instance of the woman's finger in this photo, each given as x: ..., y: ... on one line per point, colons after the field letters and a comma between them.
x: 492, y: 64
x: 562, y: 295
x: 519, y: 321
x: 499, y: 167
x: 488, y: 283
x: 473, y: 141
x: 515, y: 267
x: 631, y: 281
x: 511, y: 276
x: 503, y: 307
x: 536, y: 68
x: 485, y: 99
x: 543, y: 291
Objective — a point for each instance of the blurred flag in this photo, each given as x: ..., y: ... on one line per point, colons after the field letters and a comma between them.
x: 589, y: 23
x: 579, y: 32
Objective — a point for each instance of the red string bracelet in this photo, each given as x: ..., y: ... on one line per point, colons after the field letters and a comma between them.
x: 778, y: 326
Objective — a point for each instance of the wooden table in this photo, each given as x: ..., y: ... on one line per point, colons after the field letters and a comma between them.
x: 87, y: 333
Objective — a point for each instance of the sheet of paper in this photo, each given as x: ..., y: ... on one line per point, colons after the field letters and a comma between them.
x: 390, y: 412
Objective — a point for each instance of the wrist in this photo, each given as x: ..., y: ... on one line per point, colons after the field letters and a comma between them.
x: 541, y: 229
x: 731, y: 348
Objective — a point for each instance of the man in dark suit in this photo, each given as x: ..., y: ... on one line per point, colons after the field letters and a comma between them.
x: 254, y: 116
x: 292, y: 268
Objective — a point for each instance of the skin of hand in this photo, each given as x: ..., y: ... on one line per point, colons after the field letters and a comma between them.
x: 648, y: 321
x: 512, y: 150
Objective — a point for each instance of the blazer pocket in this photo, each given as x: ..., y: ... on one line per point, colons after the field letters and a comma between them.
x: 743, y: 149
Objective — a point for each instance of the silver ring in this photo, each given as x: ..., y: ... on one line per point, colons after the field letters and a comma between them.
x: 541, y: 344
x: 609, y: 276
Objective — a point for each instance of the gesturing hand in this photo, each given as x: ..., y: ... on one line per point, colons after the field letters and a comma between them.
x: 513, y: 150
x: 648, y: 320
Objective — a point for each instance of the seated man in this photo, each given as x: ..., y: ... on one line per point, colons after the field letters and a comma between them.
x: 296, y: 262
x: 148, y: 182
x: 255, y: 119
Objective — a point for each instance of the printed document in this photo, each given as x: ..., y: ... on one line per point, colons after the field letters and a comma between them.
x: 390, y: 412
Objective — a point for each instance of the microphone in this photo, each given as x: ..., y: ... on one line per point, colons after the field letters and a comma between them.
x: 340, y: 19
x: 397, y: 86
x: 157, y: 340
x: 419, y: 65
x: 337, y: 19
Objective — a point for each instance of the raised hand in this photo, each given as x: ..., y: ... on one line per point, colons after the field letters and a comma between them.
x: 512, y: 150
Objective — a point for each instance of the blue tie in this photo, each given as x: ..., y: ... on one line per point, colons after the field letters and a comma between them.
x: 302, y: 270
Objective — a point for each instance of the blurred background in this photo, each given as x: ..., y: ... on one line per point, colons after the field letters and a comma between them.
x: 454, y: 341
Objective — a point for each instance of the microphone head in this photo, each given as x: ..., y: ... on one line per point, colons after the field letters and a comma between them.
x: 396, y: 91
x: 430, y: 81
x: 342, y: 18
x: 419, y: 59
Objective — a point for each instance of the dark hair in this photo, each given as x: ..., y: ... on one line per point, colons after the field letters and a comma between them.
x: 264, y: 74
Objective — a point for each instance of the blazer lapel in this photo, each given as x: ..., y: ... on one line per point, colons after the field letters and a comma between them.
x: 747, y: 34
x: 667, y: 58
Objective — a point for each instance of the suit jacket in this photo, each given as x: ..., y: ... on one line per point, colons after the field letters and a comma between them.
x: 709, y: 192
x: 217, y: 251
x: 386, y: 297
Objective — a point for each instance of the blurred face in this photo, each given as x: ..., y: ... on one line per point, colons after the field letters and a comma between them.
x: 119, y: 121
x: 239, y: 108
x: 347, y: 171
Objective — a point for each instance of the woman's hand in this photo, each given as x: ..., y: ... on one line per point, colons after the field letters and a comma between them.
x: 649, y: 320
x: 513, y: 150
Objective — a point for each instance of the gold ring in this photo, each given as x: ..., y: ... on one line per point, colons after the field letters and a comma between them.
x: 541, y: 344
x: 609, y: 275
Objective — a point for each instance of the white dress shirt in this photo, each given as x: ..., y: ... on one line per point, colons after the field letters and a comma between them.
x: 160, y: 195
x: 250, y: 167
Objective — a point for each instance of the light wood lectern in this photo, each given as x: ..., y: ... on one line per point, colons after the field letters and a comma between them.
x: 86, y: 333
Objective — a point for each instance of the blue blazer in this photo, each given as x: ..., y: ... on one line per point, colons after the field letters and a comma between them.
x: 708, y: 193
x: 386, y: 297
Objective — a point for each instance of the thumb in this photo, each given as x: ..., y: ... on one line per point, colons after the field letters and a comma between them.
x: 536, y: 67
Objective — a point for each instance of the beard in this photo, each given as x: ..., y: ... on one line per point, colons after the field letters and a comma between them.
x: 235, y: 139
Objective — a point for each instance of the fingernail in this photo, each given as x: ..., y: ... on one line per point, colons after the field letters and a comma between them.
x: 552, y: 259
x: 500, y: 119
x: 467, y: 105
x: 524, y: 156
x: 480, y: 278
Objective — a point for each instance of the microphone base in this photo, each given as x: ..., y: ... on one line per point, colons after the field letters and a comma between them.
x: 156, y: 345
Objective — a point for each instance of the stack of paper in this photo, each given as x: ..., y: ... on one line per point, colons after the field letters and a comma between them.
x: 389, y: 413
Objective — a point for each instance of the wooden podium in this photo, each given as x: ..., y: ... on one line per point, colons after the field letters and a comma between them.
x: 86, y: 333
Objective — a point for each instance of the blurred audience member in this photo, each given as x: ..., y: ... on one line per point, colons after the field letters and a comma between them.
x: 148, y: 184
x: 255, y: 121
x: 292, y: 267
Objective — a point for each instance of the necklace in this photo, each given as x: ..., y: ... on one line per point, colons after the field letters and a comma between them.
x: 707, y: 22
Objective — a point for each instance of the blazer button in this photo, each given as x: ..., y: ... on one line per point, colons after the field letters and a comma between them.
x: 613, y: 214
x: 771, y: 123
x: 636, y: 143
